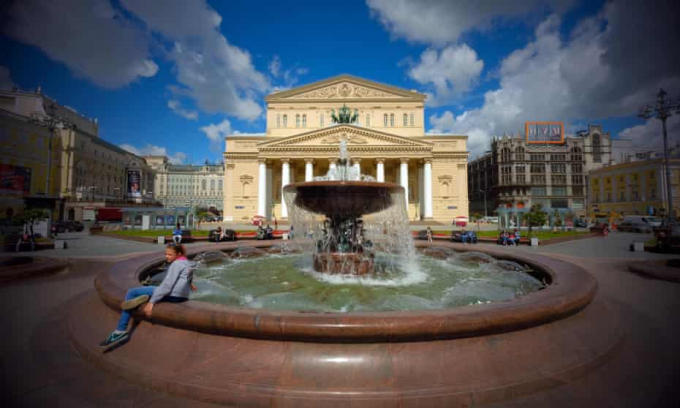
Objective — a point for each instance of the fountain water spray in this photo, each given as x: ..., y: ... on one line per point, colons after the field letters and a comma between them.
x: 345, y: 219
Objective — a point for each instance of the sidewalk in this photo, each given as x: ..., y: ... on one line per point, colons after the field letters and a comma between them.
x: 83, y: 245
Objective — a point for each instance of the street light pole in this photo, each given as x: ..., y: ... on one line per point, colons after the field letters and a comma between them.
x: 486, y: 214
x: 662, y: 111
x: 52, y: 122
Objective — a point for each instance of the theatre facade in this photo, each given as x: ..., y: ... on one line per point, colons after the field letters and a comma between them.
x: 386, y: 140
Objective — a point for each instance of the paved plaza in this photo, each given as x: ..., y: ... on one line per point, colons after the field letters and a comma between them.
x: 42, y: 369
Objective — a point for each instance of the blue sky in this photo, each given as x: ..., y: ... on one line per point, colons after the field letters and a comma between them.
x: 176, y: 79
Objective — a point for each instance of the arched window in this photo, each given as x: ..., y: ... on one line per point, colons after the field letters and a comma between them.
x: 597, y: 148
x: 392, y: 119
x: 219, y: 185
x: 285, y: 120
x: 385, y: 119
x: 304, y: 121
x: 212, y: 185
x: 519, y: 153
x: 412, y: 120
x: 368, y: 120
x: 203, y: 185
x: 405, y: 120
x: 278, y: 120
x: 321, y: 120
x: 505, y: 154
x: 297, y: 121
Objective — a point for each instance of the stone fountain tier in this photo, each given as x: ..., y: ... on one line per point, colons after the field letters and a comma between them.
x: 343, y: 199
x: 337, y: 263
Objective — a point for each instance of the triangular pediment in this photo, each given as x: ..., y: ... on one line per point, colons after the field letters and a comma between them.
x: 345, y: 87
x: 354, y: 135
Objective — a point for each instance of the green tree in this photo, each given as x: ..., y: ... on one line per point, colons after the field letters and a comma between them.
x: 535, y: 217
x: 30, y: 216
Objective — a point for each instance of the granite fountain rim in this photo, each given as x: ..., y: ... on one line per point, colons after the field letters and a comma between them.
x: 571, y: 290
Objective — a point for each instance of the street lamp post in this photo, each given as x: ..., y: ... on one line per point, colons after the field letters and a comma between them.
x: 662, y: 111
x: 51, y: 121
x: 486, y: 215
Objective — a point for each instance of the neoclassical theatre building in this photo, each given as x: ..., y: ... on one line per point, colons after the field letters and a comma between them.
x: 387, y: 141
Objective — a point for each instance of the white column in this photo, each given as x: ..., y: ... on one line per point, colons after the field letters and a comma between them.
x: 309, y: 169
x: 404, y: 179
x: 332, y: 166
x: 380, y: 171
x: 285, y: 180
x: 262, y: 189
x: 427, y: 176
x: 357, y: 165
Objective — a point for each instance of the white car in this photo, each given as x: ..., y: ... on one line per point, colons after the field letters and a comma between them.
x: 493, y: 220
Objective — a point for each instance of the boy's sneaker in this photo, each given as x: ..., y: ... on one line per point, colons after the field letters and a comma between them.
x: 134, y: 302
x: 114, y: 338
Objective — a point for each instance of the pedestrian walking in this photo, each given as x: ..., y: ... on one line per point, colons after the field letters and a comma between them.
x: 429, y: 234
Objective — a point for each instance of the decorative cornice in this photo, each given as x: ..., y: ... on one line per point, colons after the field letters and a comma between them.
x: 366, y: 89
x: 332, y: 131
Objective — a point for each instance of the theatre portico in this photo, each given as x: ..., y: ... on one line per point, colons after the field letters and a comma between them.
x: 386, y: 140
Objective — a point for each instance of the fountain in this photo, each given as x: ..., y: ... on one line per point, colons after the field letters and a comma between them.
x: 342, y: 197
x: 349, y: 314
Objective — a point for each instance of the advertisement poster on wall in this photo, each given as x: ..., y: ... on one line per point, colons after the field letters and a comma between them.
x: 15, y: 180
x: 134, y: 183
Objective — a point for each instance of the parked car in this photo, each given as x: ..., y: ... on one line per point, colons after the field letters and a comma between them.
x: 648, y: 220
x: 493, y: 220
x: 229, y: 235
x: 667, y: 237
x: 580, y: 223
x: 633, y: 226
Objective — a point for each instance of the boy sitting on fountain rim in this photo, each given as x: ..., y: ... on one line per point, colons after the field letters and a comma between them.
x: 175, y: 288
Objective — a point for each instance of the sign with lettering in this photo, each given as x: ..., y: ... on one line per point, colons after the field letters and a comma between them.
x: 545, y: 132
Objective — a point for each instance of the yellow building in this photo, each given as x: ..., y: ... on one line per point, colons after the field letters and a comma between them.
x: 637, y: 187
x: 387, y: 142
x: 29, y: 166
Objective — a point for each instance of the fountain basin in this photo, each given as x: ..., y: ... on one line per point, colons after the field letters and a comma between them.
x: 343, y: 199
x: 258, y: 358
x: 571, y: 290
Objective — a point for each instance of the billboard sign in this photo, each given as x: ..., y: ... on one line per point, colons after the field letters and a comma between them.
x: 15, y: 180
x: 545, y: 132
x: 134, y: 183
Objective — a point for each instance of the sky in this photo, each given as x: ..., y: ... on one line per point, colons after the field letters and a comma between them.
x: 175, y: 77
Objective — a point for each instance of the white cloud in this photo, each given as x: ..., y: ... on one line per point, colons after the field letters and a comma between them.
x: 444, y: 21
x: 216, y: 134
x: 450, y: 73
x: 176, y: 106
x: 275, y: 66
x: 152, y: 150
x: 89, y: 36
x: 5, y: 79
x: 441, y: 123
x: 219, y: 76
x: 590, y: 75
x: 649, y: 136
x: 287, y: 77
